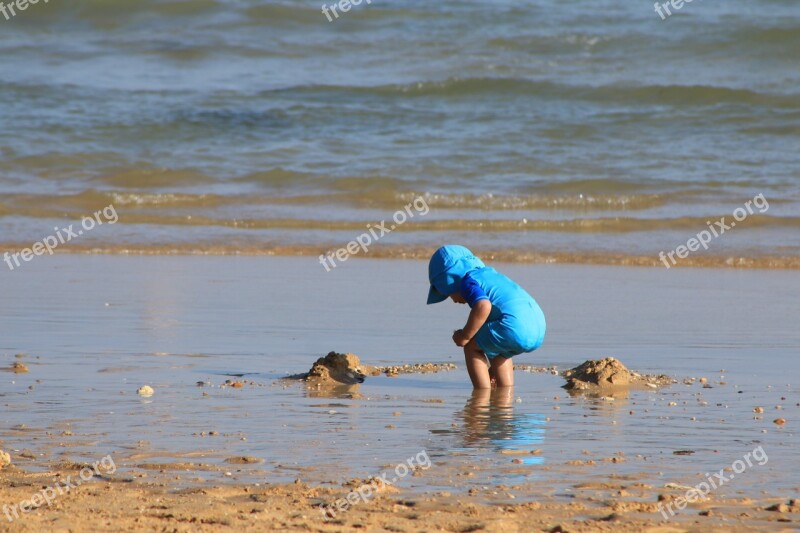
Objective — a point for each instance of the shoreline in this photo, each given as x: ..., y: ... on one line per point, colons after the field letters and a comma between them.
x: 400, y: 252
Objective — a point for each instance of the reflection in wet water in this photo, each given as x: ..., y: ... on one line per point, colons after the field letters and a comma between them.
x: 491, y: 422
x: 337, y: 391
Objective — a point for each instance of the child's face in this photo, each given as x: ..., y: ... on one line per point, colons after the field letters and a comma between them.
x: 457, y: 298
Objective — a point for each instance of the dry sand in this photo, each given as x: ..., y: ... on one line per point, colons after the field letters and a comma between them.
x: 128, y: 502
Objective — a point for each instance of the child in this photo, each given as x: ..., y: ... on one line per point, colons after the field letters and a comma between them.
x: 505, y: 320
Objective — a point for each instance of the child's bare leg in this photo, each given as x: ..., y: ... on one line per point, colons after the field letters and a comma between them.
x: 477, y: 366
x: 503, y: 371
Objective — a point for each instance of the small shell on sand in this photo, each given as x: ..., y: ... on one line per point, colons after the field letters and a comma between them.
x: 145, y: 391
x: 5, y: 459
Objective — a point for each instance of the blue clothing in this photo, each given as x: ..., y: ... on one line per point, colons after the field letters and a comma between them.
x: 472, y: 291
x: 516, y: 323
x: 445, y: 270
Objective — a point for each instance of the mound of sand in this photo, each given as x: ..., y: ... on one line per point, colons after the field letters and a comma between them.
x: 347, y: 369
x: 339, y: 368
x: 609, y: 373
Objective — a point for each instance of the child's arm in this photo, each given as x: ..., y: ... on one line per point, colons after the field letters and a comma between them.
x: 477, y: 318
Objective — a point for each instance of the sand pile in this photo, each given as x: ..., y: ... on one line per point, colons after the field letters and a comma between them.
x: 609, y: 373
x: 347, y: 369
x: 16, y: 367
x: 341, y: 368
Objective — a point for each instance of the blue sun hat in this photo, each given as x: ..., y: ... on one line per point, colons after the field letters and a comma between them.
x: 448, y: 265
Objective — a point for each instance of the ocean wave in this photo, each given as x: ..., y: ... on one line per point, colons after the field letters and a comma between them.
x: 547, y: 197
x: 380, y: 251
x: 683, y: 95
x: 149, y: 209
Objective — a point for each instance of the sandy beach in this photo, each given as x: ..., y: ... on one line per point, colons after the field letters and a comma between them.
x: 216, y: 223
x: 128, y: 504
x: 225, y: 442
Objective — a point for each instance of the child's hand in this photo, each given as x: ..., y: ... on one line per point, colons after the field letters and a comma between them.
x: 460, y: 338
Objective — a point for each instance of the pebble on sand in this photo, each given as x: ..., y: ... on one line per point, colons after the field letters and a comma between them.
x: 780, y: 421
x: 19, y: 368
x: 145, y: 391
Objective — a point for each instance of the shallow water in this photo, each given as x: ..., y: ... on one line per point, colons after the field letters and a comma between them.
x: 578, y: 128
x: 96, y: 328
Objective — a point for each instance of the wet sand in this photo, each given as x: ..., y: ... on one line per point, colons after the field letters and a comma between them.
x: 203, y: 453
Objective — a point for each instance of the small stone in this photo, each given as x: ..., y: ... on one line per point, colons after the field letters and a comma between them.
x: 779, y: 508
x: 146, y: 391
x: 19, y: 368
x: 779, y: 421
x: 243, y: 460
x: 758, y: 409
